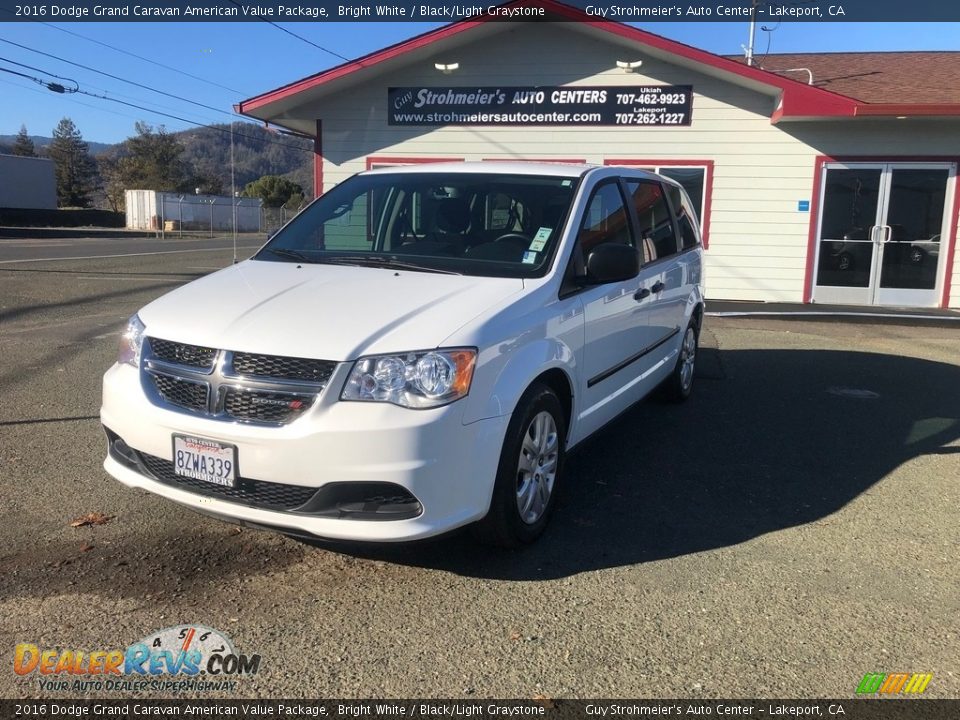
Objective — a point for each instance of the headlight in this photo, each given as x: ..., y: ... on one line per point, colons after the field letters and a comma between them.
x: 131, y: 342
x: 414, y: 380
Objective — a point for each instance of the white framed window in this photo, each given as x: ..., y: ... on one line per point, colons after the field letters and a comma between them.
x: 695, y: 176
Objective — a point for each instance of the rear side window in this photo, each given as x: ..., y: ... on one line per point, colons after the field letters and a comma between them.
x: 653, y: 216
x: 686, y: 218
x: 605, y: 220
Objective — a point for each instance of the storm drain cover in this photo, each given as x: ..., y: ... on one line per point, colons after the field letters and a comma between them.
x: 858, y: 393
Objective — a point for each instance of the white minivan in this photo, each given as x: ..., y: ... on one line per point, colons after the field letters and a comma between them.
x: 416, y: 351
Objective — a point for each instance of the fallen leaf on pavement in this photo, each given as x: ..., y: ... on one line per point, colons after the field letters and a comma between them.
x: 93, y: 518
x: 515, y: 635
x: 86, y: 547
x: 544, y: 701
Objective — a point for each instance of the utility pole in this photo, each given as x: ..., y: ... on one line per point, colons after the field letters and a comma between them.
x: 753, y: 30
x: 233, y: 195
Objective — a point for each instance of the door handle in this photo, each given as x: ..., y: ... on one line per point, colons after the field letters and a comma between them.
x: 641, y: 294
x: 658, y: 286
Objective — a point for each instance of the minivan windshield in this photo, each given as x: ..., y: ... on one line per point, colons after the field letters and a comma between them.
x: 495, y: 225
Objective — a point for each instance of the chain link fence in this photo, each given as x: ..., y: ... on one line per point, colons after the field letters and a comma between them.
x: 193, y: 215
x: 272, y: 219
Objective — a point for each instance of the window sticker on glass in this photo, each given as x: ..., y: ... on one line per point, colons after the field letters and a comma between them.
x: 566, y: 183
x: 540, y: 239
x: 529, y: 257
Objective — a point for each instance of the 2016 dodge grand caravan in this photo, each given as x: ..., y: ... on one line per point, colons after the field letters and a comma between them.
x: 416, y: 351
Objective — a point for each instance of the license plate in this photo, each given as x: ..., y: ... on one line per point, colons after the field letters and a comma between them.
x: 207, y: 460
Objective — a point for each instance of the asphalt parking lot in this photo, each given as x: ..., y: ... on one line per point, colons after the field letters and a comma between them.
x: 792, y: 527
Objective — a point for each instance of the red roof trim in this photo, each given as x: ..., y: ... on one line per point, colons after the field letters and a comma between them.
x: 798, y: 98
x: 396, y: 160
x: 562, y: 161
x: 375, y: 58
x: 908, y: 109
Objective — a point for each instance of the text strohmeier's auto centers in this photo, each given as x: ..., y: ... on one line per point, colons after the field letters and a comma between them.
x: 615, y: 105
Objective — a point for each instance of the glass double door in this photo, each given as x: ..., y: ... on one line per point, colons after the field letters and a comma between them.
x: 882, y: 233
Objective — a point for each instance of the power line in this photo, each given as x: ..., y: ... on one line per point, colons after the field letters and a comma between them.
x: 298, y: 37
x: 71, y: 80
x: 140, y: 57
x: 192, y: 122
x: 52, y: 86
x: 226, y: 131
x: 71, y: 99
x: 44, y: 72
x: 115, y: 77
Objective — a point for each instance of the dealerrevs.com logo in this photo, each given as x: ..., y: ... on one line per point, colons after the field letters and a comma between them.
x: 179, y: 658
x: 894, y: 683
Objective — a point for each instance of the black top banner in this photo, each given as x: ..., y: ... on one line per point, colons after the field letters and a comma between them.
x: 645, y: 11
x: 656, y: 105
x: 484, y: 709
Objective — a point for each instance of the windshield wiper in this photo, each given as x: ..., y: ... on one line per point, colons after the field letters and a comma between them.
x: 292, y: 254
x: 385, y: 262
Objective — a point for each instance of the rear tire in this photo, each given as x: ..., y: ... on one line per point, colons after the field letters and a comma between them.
x: 528, y: 476
x: 678, y: 387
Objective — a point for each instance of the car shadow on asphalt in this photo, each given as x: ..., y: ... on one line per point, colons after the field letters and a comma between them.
x: 771, y: 439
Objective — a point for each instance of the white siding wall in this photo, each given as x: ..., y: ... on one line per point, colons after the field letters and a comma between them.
x: 758, y: 238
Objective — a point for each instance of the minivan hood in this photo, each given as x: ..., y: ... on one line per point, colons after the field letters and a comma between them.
x: 330, y: 312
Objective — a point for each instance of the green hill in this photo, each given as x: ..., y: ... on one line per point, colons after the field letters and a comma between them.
x: 257, y: 152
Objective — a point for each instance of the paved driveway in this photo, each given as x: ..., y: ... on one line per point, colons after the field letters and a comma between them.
x: 791, y: 528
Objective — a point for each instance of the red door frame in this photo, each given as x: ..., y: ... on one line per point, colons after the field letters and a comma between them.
x: 822, y: 160
x: 393, y: 160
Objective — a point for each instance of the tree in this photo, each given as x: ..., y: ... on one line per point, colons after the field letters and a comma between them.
x: 275, y: 191
x: 24, y: 145
x: 75, y: 170
x: 112, y: 181
x: 154, y: 161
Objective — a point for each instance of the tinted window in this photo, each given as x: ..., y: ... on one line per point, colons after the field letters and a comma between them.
x: 686, y: 219
x: 693, y: 180
x: 653, y: 214
x: 605, y: 220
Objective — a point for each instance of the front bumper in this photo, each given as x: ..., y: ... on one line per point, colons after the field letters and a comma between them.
x: 446, y: 466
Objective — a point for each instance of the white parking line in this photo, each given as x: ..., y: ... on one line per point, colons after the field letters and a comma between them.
x: 116, y: 319
x: 832, y: 314
x: 143, y: 254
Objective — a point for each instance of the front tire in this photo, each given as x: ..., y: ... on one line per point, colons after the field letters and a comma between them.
x: 531, y: 464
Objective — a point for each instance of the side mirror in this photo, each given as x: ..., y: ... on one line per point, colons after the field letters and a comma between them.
x: 612, y: 262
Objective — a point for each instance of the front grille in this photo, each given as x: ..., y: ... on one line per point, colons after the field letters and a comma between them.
x: 183, y: 354
x: 232, y: 386
x: 255, y: 493
x: 287, y: 368
x: 263, y: 406
x: 182, y: 393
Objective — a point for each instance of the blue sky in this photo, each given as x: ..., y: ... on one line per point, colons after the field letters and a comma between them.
x: 253, y: 57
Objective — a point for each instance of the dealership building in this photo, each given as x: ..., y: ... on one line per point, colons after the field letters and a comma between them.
x: 820, y: 178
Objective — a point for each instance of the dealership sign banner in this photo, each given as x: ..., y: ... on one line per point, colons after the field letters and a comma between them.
x: 627, y: 105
